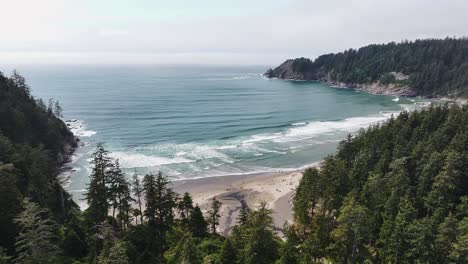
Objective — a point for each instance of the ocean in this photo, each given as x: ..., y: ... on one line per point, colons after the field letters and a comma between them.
x: 201, y: 121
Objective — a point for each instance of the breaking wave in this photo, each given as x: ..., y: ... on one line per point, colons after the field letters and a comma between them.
x: 78, y: 128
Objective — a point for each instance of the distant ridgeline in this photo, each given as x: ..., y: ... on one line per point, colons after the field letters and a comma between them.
x: 428, y: 68
x: 394, y: 193
x: 34, y: 142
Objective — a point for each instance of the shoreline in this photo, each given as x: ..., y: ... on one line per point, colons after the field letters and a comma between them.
x: 274, y: 188
x: 377, y: 89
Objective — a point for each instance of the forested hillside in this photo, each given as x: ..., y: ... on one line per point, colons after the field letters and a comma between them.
x: 395, y: 193
x: 432, y: 67
x: 33, y: 143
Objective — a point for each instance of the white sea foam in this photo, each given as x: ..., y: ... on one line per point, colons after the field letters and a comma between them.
x: 299, y: 124
x: 253, y: 170
x: 226, y: 147
x: 261, y: 137
x: 219, y: 152
x: 78, y: 128
x: 213, y: 157
x: 396, y: 99
x: 321, y: 127
x: 135, y: 160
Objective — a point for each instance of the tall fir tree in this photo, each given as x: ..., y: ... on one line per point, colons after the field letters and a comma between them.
x: 262, y: 244
x: 213, y: 214
x: 185, y: 206
x: 97, y: 194
x: 228, y: 253
x: 137, y: 190
x: 197, y: 224
x: 160, y: 205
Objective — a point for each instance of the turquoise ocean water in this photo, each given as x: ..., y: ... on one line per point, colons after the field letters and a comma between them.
x: 200, y: 121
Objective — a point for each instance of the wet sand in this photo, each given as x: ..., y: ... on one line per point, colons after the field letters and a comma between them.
x: 276, y: 189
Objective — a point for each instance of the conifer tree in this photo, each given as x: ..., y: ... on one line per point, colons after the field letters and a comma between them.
x: 34, y: 243
x: 306, y: 197
x: 290, y: 249
x: 213, y: 214
x: 138, y: 192
x: 228, y: 253
x: 185, y: 206
x: 352, y: 232
x: 185, y: 252
x: 160, y: 205
x: 117, y: 255
x: 459, y: 252
x: 58, y: 109
x: 197, y: 224
x: 10, y: 204
x: 104, y: 239
x: 97, y: 194
x: 120, y: 195
x: 262, y: 244
x: 20, y: 82
x: 398, y: 243
x: 446, y: 237
x: 243, y: 213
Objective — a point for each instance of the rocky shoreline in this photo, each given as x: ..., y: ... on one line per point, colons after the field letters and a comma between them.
x: 375, y: 88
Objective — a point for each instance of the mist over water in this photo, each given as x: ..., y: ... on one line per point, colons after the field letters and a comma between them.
x: 196, y: 121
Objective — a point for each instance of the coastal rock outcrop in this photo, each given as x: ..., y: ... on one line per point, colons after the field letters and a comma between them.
x: 426, y: 68
x: 301, y: 69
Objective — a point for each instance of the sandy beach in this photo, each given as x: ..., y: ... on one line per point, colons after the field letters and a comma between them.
x: 276, y: 189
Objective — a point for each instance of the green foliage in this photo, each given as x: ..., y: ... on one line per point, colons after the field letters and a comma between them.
x: 228, y: 253
x: 4, y: 258
x: 185, y: 252
x: 257, y: 242
x: 120, y: 196
x: 34, y: 243
x: 387, y: 78
x: 33, y: 143
x: 459, y: 253
x: 290, y: 251
x: 97, y: 194
x: 185, y: 206
x: 352, y: 232
x: 433, y: 67
x: 74, y: 245
x: 160, y: 203
x: 117, y: 255
x: 137, y: 190
x: 243, y: 213
x: 197, y: 224
x: 394, y: 193
x: 213, y: 214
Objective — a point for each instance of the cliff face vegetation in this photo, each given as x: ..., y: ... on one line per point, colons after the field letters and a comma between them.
x: 394, y: 193
x: 427, y: 68
x: 34, y: 142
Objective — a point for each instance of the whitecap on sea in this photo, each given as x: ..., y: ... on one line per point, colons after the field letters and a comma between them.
x: 78, y: 128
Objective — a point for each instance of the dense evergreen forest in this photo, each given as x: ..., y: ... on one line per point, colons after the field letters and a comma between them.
x: 33, y: 143
x: 396, y: 192
x: 431, y: 67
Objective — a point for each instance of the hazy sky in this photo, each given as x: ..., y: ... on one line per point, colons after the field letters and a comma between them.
x: 213, y: 31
